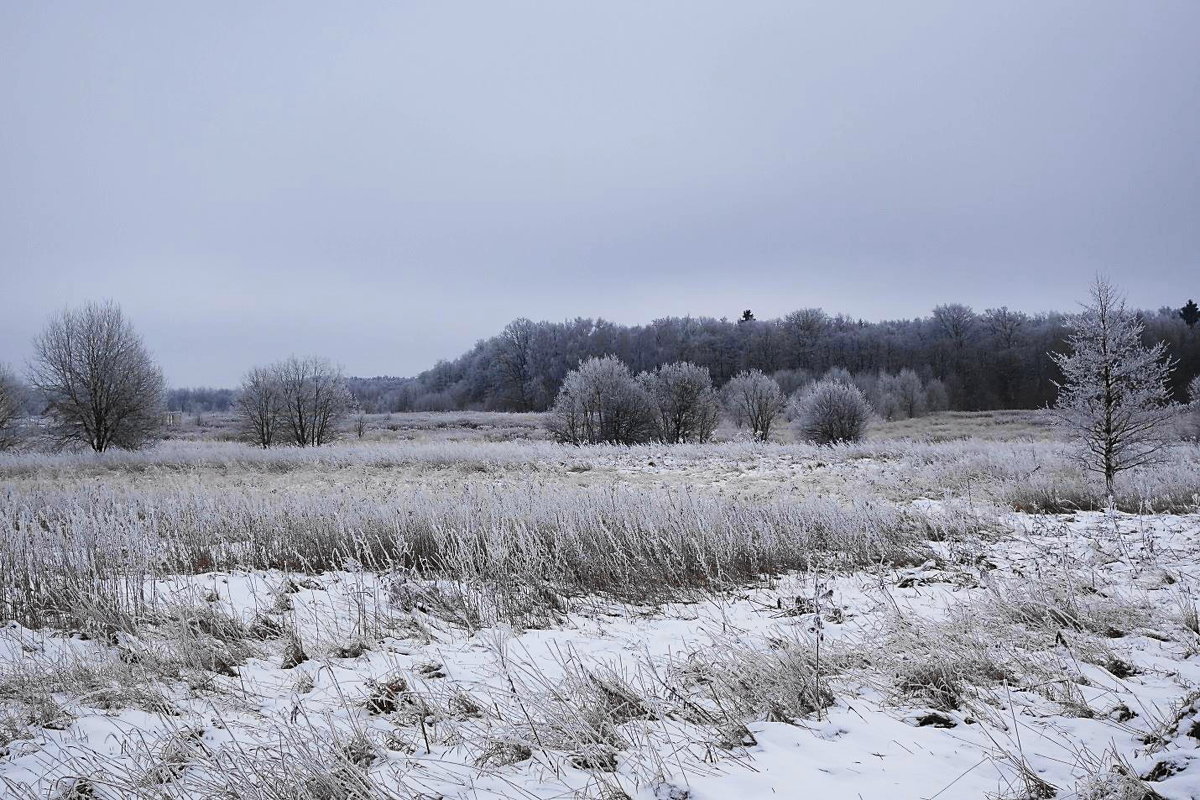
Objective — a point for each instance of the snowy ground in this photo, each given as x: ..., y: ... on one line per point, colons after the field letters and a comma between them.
x: 1028, y: 656
x: 503, y: 713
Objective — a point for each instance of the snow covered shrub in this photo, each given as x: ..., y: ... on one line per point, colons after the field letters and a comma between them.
x: 947, y: 662
x: 687, y: 406
x: 838, y: 375
x: 779, y: 680
x: 602, y: 403
x: 1062, y: 602
x: 792, y: 380
x: 882, y: 393
x: 832, y: 413
x: 754, y: 399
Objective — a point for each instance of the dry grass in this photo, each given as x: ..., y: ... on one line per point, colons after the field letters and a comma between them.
x: 457, y: 537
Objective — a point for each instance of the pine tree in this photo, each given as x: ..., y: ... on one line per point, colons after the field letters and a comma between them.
x: 1114, y: 399
x: 1190, y: 313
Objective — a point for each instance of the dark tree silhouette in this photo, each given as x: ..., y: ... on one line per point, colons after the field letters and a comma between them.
x: 1190, y: 313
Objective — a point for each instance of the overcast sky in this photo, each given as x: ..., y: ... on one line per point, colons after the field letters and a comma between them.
x: 385, y: 183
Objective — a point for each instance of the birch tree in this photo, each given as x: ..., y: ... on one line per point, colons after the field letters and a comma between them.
x: 1113, y: 399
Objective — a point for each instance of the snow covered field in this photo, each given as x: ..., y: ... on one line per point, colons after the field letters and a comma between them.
x: 492, y: 619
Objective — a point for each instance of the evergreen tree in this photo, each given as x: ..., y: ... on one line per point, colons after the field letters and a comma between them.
x: 1190, y: 313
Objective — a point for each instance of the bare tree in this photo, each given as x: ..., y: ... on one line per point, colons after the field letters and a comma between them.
x: 315, y: 399
x: 756, y: 400
x: 512, y: 360
x: 1005, y: 325
x: 687, y: 405
x: 260, y: 406
x: 829, y: 412
x: 101, y: 385
x: 601, y: 402
x: 956, y: 321
x: 1113, y: 399
x: 10, y: 407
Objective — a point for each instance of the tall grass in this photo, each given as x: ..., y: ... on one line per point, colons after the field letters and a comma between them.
x: 80, y: 531
x: 67, y: 548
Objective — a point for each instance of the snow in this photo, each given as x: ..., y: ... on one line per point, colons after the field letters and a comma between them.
x: 869, y: 744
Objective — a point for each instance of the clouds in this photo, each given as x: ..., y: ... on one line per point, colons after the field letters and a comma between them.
x: 396, y: 182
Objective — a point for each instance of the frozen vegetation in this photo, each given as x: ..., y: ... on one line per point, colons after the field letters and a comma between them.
x: 452, y: 607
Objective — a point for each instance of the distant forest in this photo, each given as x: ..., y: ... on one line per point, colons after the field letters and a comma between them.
x: 990, y: 360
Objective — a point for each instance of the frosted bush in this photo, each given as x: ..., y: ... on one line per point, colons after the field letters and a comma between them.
x: 601, y: 402
x: 687, y: 406
x: 832, y: 413
x: 754, y: 400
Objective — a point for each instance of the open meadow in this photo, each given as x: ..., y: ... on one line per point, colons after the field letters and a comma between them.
x: 449, y: 608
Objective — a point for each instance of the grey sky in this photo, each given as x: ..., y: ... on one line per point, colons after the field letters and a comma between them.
x: 385, y: 183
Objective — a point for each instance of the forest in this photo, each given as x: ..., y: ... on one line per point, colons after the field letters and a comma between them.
x: 997, y: 359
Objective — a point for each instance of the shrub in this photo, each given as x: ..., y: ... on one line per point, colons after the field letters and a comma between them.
x: 754, y: 399
x: 686, y: 404
x: 832, y: 413
x: 601, y: 402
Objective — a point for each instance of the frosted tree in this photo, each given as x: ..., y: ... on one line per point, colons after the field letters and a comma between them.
x: 756, y: 400
x: 100, y: 383
x: 1113, y: 399
x: 910, y: 393
x: 601, y: 402
x: 687, y: 405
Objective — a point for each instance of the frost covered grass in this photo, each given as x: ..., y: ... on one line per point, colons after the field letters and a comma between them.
x: 521, y: 619
x: 1036, y: 476
x: 71, y: 549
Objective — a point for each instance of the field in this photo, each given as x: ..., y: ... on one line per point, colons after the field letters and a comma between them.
x: 453, y: 606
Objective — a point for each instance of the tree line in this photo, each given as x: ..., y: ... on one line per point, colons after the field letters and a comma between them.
x: 94, y: 380
x: 995, y: 359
